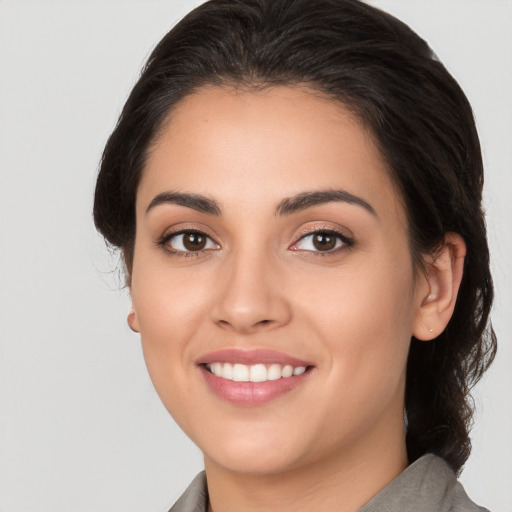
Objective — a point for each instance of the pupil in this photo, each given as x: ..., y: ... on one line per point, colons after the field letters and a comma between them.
x: 194, y: 241
x: 324, y: 242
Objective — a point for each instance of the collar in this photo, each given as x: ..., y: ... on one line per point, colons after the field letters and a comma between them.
x: 427, y: 485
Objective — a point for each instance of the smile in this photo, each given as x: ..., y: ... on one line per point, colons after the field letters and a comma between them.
x: 254, y: 373
x: 254, y: 377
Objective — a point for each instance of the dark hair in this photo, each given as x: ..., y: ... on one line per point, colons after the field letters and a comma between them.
x: 420, y: 120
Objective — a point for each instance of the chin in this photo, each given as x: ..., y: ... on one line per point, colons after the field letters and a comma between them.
x: 252, y: 455
x: 254, y: 462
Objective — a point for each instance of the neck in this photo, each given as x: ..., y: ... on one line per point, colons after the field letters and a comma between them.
x: 344, y: 481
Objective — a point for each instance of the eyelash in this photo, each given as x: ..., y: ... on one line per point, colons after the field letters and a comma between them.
x: 347, y: 242
x: 162, y: 243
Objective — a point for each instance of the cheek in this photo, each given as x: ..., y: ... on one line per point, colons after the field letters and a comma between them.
x: 363, y: 315
x: 169, y: 308
x: 366, y: 299
x: 168, y: 301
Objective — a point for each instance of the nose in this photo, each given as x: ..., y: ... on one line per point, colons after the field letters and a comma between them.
x: 252, y: 296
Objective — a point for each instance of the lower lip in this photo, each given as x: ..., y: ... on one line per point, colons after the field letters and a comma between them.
x: 251, y: 393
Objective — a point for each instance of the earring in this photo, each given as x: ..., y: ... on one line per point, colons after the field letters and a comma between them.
x: 130, y: 320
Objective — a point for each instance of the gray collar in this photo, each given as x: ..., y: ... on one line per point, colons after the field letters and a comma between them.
x: 427, y: 485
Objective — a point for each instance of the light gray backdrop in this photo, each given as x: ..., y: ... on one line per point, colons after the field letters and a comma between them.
x: 81, y: 429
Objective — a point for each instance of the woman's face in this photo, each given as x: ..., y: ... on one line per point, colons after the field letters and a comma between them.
x: 271, y: 241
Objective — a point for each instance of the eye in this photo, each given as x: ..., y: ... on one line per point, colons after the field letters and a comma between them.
x: 321, y: 241
x: 188, y: 241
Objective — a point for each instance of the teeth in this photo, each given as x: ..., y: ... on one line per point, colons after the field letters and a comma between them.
x: 258, y: 373
x: 254, y: 373
x: 217, y: 369
x: 240, y: 373
x: 287, y: 371
x: 274, y: 372
x: 226, y: 371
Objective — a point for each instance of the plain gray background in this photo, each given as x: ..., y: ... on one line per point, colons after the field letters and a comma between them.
x: 81, y: 428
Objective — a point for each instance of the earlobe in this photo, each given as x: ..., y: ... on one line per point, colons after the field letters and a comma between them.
x: 443, y: 276
x: 132, y: 321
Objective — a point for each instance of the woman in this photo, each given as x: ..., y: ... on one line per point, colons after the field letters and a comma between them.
x: 296, y: 190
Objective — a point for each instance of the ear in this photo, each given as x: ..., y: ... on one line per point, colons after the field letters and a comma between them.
x: 132, y: 321
x: 439, y: 287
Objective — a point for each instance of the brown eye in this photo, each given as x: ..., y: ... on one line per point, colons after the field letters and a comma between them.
x: 324, y: 241
x: 190, y: 241
x: 194, y: 241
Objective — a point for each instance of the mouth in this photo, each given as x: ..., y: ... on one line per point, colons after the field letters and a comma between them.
x: 252, y: 378
x: 260, y: 372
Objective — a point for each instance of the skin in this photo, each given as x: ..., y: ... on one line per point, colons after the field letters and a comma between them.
x: 338, y: 438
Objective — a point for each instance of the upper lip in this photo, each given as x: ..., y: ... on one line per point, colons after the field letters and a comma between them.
x: 250, y: 357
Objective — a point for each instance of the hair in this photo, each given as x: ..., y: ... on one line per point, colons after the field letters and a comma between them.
x: 419, y: 118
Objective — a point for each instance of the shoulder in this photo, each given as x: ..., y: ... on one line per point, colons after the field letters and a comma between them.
x: 461, y: 501
x: 195, y: 498
x: 427, y: 485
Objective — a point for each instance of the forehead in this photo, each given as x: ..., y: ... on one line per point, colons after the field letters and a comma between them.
x: 258, y: 147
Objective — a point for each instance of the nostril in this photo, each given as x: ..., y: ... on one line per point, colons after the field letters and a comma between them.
x: 246, y: 326
x: 264, y: 323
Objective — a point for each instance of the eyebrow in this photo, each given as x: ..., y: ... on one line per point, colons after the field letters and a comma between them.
x: 287, y: 206
x: 307, y: 200
x: 197, y: 202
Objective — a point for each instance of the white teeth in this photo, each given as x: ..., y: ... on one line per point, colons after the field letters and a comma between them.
x: 299, y: 370
x: 274, y: 372
x: 254, y: 373
x: 216, y: 368
x: 287, y: 371
x: 240, y: 372
x: 258, y: 373
x: 227, y: 371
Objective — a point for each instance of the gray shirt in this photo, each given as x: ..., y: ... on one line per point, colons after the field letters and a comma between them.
x: 427, y: 485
